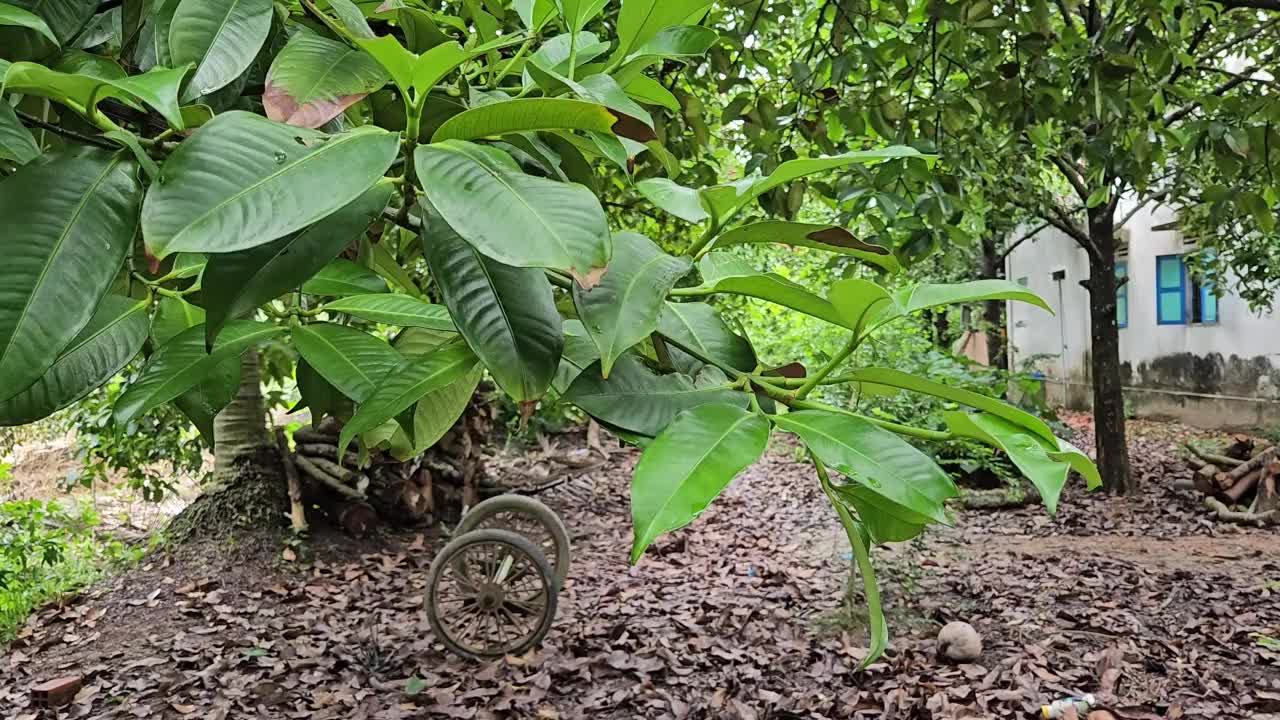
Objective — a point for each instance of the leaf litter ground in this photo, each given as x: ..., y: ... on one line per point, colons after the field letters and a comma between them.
x: 1144, y: 600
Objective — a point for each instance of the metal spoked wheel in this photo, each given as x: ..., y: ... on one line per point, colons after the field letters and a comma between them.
x: 528, y: 517
x: 490, y: 593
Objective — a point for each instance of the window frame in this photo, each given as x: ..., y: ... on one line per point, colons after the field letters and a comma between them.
x: 1180, y: 289
x: 1122, y: 293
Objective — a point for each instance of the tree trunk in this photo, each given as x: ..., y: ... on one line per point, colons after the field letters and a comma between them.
x: 1108, y: 396
x: 993, y: 310
x: 240, y: 429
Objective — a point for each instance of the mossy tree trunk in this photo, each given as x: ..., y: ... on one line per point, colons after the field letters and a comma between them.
x: 240, y: 429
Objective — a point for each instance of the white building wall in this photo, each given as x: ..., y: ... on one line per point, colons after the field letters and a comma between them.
x: 1225, y: 373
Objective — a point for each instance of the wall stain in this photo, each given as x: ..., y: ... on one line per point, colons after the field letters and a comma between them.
x: 1210, y: 374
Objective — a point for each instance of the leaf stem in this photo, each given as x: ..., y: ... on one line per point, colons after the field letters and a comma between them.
x: 697, y: 249
x: 70, y: 134
x: 506, y: 69
x: 828, y: 368
x: 788, y: 398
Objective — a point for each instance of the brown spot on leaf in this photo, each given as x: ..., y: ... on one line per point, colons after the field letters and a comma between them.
x: 629, y: 127
x: 794, y: 371
x: 840, y: 237
x: 591, y: 279
x: 283, y: 107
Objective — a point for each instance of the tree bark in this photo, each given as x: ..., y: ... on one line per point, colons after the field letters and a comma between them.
x: 240, y: 428
x: 993, y: 310
x: 1108, y: 395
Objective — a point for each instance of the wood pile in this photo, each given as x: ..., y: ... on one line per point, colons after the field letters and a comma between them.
x: 1240, y: 481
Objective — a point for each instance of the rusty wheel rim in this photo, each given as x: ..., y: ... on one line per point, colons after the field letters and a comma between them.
x: 491, y: 598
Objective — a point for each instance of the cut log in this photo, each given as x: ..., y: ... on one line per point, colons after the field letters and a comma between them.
x: 397, y: 497
x: 297, y: 512
x: 348, y: 477
x: 1241, y: 447
x: 1266, y: 500
x: 1000, y: 497
x: 1204, y: 479
x: 313, y: 471
x: 329, y: 452
x: 1226, y: 514
x: 1253, y: 464
x: 305, y: 435
x: 357, y: 518
x: 1212, y: 458
x: 1243, y: 486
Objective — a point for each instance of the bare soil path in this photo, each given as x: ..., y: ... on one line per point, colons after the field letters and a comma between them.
x: 739, y: 616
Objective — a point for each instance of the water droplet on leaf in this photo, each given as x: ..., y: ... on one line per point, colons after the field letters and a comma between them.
x: 280, y: 157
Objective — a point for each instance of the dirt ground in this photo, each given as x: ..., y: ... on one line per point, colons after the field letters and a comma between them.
x: 739, y: 616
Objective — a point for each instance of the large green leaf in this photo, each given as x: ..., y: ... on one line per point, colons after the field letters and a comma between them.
x: 831, y: 238
x: 351, y: 360
x: 578, y: 354
x: 341, y: 278
x: 236, y: 283
x: 698, y: 328
x: 439, y: 409
x: 927, y: 295
x: 67, y: 224
x: 507, y: 314
x: 688, y: 465
x: 243, y: 180
x: 183, y: 362
x: 870, y: 590
x: 623, y: 309
x: 482, y: 194
x: 319, y: 395
x: 158, y: 87
x: 861, y: 302
x: 314, y: 79
x: 888, y: 377
x: 681, y: 201
x: 535, y: 13
x: 405, y: 385
x: 679, y: 41
x: 392, y: 309
x: 65, y: 17
x: 577, y: 13
x: 525, y: 114
x: 112, y: 338
x: 722, y: 272
x: 17, y: 144
x: 896, y: 488
x: 13, y: 15
x: 352, y: 19
x: 220, y: 37
x: 215, y: 391
x: 1046, y: 463
x: 637, y: 399
x: 642, y: 20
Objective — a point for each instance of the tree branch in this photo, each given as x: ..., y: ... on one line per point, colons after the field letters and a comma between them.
x: 1072, y: 175
x: 1269, y: 5
x: 70, y: 134
x: 1242, y: 78
x: 1000, y: 260
x: 1226, y: 87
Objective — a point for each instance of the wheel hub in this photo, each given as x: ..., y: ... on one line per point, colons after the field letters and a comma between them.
x: 490, y: 596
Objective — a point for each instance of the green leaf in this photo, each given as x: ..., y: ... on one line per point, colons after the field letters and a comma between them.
x: 351, y: 360
x: 688, y: 465
x: 871, y: 590
x: 318, y: 395
x: 220, y: 37
x: 888, y: 377
x: 352, y: 19
x: 894, y: 486
x: 676, y: 41
x: 525, y: 114
x: 830, y: 238
x: 68, y: 223
x: 683, y: 202
x: 641, y: 20
x: 173, y: 315
x: 803, y: 167
x: 927, y: 295
x: 400, y: 310
x: 722, y: 272
x: 405, y: 385
x: 698, y: 328
x: 635, y: 398
x: 243, y: 180
x: 157, y: 87
x: 439, y: 409
x: 234, y: 284
x: 393, y: 57
x: 482, y: 194
x: 579, y: 353
x: 576, y: 13
x: 623, y: 309
x: 314, y: 79
x: 17, y: 144
x: 343, y: 277
x: 65, y: 17
x: 16, y: 16
x: 535, y: 13
x: 646, y: 90
x: 112, y: 338
x: 183, y: 362
x: 861, y: 303
x: 439, y: 61
x: 1043, y: 462
x: 506, y: 314
x: 421, y: 33
x: 217, y: 388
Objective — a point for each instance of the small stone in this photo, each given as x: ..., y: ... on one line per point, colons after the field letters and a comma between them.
x: 958, y: 642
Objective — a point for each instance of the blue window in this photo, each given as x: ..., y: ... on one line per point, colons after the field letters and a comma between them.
x: 1122, y: 294
x: 1171, y: 290
x: 1180, y: 298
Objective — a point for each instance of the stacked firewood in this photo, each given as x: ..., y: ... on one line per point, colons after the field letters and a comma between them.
x: 383, y: 490
x: 1239, y: 482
